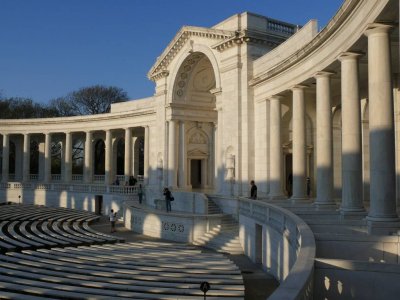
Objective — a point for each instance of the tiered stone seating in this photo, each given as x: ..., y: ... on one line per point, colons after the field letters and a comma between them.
x: 33, y: 227
x: 140, y: 270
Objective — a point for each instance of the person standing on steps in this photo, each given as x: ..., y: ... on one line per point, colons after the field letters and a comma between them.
x: 253, y: 190
x: 168, y: 198
x: 113, y: 217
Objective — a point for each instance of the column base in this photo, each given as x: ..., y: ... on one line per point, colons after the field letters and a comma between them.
x: 325, y: 205
x: 277, y: 197
x: 295, y: 200
x: 352, y: 213
x: 388, y: 227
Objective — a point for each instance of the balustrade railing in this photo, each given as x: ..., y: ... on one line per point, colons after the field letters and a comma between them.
x: 281, y: 27
x: 56, y: 177
x: 98, y: 178
x: 296, y: 252
x: 77, y: 177
x: 73, y: 187
x: 34, y: 177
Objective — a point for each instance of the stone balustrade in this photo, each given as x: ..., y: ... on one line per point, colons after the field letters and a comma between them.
x: 283, y: 243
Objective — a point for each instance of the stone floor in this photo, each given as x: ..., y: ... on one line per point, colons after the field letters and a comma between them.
x: 258, y: 284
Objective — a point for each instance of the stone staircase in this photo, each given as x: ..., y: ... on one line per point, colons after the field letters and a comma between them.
x: 343, y: 247
x: 224, y: 237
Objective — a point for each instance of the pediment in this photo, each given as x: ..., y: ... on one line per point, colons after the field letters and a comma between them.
x: 197, y: 152
x: 159, y: 69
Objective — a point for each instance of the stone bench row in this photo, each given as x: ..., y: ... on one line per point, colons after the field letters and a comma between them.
x: 118, y: 271
x: 25, y: 212
x: 16, y: 235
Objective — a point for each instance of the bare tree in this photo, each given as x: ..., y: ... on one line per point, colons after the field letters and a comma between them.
x: 89, y: 100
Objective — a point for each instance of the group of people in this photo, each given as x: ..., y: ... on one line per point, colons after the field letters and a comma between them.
x: 131, y: 182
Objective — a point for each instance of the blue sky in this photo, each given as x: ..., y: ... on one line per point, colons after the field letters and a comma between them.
x: 52, y: 47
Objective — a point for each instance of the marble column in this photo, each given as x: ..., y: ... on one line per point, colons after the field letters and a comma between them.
x: 299, y: 144
x: 88, y: 171
x: 108, y: 158
x: 381, y: 125
x: 352, y: 182
x: 182, y: 155
x: 172, y: 154
x: 216, y: 158
x: 26, y: 157
x: 128, y: 154
x: 275, y: 182
x: 47, y: 157
x: 324, y: 140
x: 6, y: 158
x: 146, y: 164
x: 324, y: 197
x: 68, y: 157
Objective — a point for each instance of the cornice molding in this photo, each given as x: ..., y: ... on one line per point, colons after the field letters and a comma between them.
x: 250, y: 37
x: 76, y: 119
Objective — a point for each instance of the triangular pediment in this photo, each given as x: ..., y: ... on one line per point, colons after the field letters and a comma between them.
x: 197, y: 152
x: 179, y: 41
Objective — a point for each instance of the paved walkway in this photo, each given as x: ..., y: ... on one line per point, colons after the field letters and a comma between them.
x: 258, y: 284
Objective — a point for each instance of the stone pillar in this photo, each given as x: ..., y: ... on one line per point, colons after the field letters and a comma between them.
x: 135, y: 157
x: 47, y: 157
x: 324, y: 141
x: 6, y: 157
x: 128, y: 154
x: 352, y: 182
x: 68, y: 158
x: 182, y: 155
x: 275, y: 183
x: 108, y: 157
x: 381, y: 125
x: 299, y: 144
x: 146, y: 155
x: 172, y: 154
x: 211, y: 159
x: 27, y: 157
x: 220, y: 170
x: 88, y: 171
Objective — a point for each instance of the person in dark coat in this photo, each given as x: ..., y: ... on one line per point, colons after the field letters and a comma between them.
x: 168, y: 197
x: 253, y: 190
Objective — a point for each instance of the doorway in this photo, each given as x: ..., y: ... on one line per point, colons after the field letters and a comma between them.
x: 195, y: 173
x: 98, y: 204
x: 289, y: 174
x: 258, y: 244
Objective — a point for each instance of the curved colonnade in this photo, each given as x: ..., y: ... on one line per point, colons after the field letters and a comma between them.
x: 350, y: 67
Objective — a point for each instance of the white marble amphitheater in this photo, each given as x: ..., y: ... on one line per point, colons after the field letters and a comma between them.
x: 311, y: 115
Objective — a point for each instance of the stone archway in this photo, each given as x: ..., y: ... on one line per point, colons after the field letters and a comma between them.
x: 194, y: 82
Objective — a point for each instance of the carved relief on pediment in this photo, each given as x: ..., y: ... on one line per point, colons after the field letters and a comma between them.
x: 197, y: 153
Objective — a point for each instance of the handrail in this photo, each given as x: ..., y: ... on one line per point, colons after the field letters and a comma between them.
x: 298, y: 283
x: 71, y: 187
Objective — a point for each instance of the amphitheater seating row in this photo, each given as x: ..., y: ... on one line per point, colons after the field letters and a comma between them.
x: 31, y: 227
x: 139, y: 270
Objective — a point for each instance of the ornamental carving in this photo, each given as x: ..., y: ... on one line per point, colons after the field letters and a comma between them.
x: 197, y: 138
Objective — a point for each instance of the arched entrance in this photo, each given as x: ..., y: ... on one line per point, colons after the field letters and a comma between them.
x: 195, y: 111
